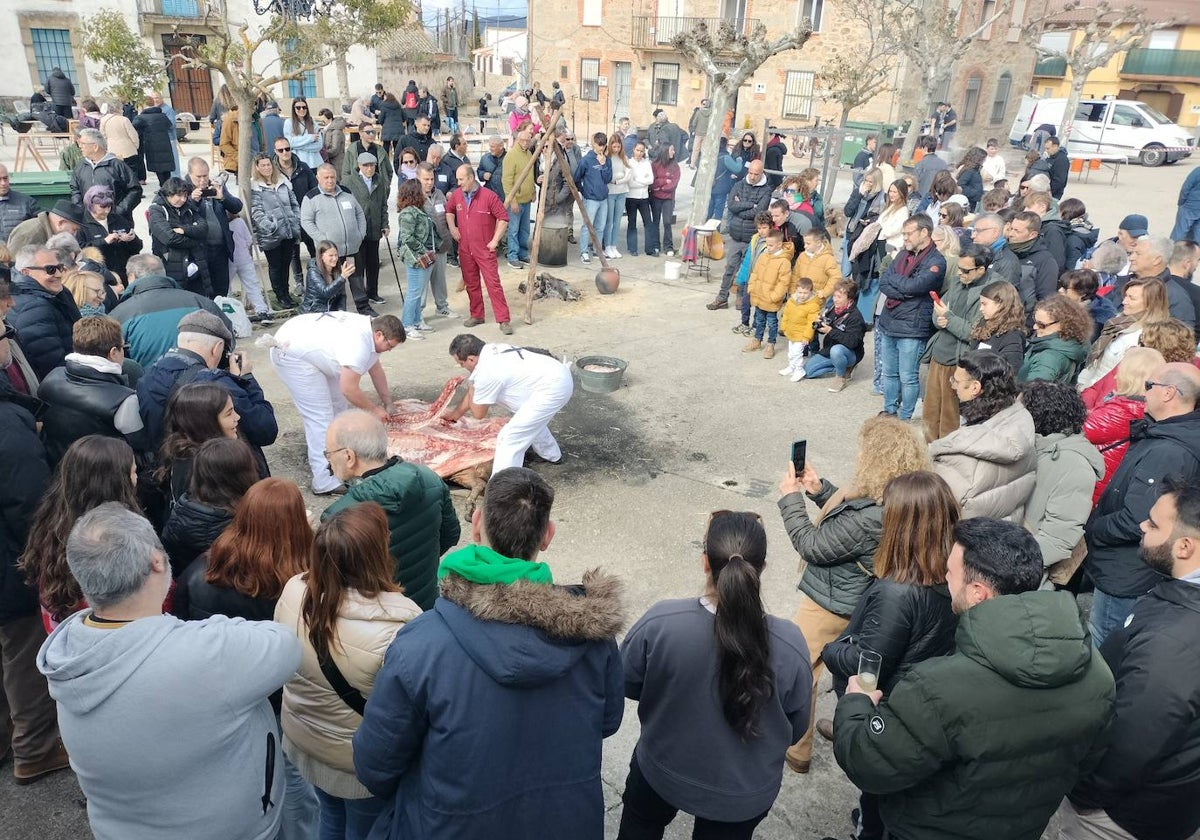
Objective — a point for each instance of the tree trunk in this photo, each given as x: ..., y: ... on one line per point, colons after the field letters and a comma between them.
x: 245, y: 102
x: 836, y: 157
x: 1078, y: 80
x: 343, y: 79
x: 706, y: 171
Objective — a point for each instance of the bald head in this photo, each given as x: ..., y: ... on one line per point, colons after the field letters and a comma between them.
x: 1173, y: 390
x: 755, y: 171
x: 466, y: 177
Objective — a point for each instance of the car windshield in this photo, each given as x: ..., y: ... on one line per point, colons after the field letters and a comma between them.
x: 1155, y: 114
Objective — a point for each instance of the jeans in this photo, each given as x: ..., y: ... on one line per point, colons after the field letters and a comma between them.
x: 743, y: 299
x: 597, y: 211
x: 348, y: 819
x: 518, y: 232
x: 661, y: 211
x: 768, y: 321
x: 734, y: 252
x: 646, y: 815
x: 414, y: 296
x: 901, y: 378
x: 839, y: 360
x: 299, y: 805
x: 716, y: 205
x: 612, y: 221
x: 1108, y: 614
x: 635, y: 207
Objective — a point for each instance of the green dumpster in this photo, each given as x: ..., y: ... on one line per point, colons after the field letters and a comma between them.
x: 46, y: 187
x: 856, y: 139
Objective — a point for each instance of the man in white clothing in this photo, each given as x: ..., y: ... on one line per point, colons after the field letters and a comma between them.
x: 322, y: 357
x: 531, y: 384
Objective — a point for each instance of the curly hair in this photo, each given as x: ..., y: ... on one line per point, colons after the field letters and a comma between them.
x: 1074, y: 321
x: 887, y: 447
x: 1173, y: 338
x: 1010, y: 317
x: 1056, y: 408
x: 995, y: 377
x: 808, y: 181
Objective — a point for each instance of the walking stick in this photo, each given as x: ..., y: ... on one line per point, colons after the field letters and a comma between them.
x: 395, y: 271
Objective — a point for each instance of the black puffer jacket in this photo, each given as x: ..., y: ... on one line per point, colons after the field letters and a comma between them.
x: 116, y: 254
x: 109, y: 172
x: 43, y: 323
x: 196, y: 599
x: 24, y: 475
x: 190, y: 530
x: 746, y: 201
x: 156, y: 133
x: 903, y: 622
x: 15, y: 209
x: 59, y: 88
x: 838, y: 554
x: 179, y: 250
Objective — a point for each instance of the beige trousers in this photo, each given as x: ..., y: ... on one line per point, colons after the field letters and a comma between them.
x: 820, y: 627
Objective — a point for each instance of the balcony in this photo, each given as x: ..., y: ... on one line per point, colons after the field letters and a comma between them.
x: 181, y: 10
x: 1162, y: 64
x: 656, y: 33
x: 1055, y: 68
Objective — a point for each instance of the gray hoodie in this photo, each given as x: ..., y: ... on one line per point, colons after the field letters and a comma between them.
x: 168, y: 725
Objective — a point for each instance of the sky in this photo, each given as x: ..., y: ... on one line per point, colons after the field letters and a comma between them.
x: 486, y: 7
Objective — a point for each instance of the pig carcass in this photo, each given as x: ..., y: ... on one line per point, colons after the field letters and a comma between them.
x: 461, y: 452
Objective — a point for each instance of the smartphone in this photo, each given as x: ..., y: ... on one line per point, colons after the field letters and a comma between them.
x: 799, y: 451
x: 936, y: 298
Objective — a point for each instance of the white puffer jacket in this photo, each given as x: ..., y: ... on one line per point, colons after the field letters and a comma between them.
x: 318, y: 726
x: 991, y: 467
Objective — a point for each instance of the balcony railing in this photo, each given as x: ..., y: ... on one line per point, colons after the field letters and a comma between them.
x: 1171, y: 64
x: 1052, y: 67
x: 182, y: 9
x: 656, y: 33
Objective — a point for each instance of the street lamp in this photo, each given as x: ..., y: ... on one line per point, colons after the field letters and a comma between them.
x: 294, y: 9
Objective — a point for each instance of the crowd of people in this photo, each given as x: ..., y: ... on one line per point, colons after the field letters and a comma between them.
x: 365, y: 677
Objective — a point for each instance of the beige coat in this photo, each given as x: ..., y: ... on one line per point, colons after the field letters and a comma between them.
x: 991, y: 467
x: 121, y: 136
x: 318, y: 726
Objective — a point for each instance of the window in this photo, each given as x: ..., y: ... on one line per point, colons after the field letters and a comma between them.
x: 1163, y: 39
x: 52, y: 48
x: 591, y: 12
x: 1060, y: 42
x: 306, y: 85
x: 989, y: 10
x: 1091, y: 112
x: 665, y: 86
x: 798, y: 94
x: 971, y: 99
x: 506, y: 66
x: 1000, y: 102
x: 589, y: 79
x: 813, y: 10
x: 1124, y: 115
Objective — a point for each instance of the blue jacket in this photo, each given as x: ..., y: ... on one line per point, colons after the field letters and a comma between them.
x: 592, y: 178
x: 257, y: 424
x: 150, y: 311
x: 44, y: 323
x: 494, y: 167
x: 482, y: 729
x: 908, y: 312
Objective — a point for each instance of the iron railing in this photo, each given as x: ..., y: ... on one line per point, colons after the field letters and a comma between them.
x: 658, y: 32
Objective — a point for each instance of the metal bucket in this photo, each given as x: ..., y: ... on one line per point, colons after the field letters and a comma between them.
x: 596, y: 382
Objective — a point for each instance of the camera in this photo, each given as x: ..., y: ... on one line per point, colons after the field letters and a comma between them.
x: 208, y: 192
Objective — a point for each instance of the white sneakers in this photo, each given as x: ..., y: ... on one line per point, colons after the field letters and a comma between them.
x: 585, y: 257
x: 612, y: 253
x: 799, y: 374
x: 787, y: 371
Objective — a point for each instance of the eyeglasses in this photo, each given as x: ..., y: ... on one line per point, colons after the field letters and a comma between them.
x: 283, y: 149
x: 964, y: 269
x: 1150, y: 385
x: 1043, y: 325
x: 51, y: 269
x: 747, y: 140
x: 328, y: 452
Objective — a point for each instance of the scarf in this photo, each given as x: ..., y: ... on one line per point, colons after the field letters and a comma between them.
x: 87, y: 309
x: 480, y: 564
x: 1113, y: 327
x: 1022, y: 248
x: 904, y: 265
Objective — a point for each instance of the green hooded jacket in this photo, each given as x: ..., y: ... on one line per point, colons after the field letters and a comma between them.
x: 1053, y: 358
x: 986, y: 742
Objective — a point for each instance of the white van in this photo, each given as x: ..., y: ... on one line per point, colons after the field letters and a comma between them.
x: 1110, y: 127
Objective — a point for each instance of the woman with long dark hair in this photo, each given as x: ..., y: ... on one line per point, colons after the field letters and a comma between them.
x: 94, y: 470
x: 195, y: 413
x: 346, y: 610
x: 989, y: 461
x: 662, y: 202
x: 618, y: 189
x: 275, y: 212
x: 392, y: 126
x: 222, y: 471
x: 418, y: 242
x: 302, y: 134
x: 906, y: 615
x: 970, y: 176
x: 325, y: 282
x: 748, y: 149
x: 722, y: 688
x: 1001, y: 324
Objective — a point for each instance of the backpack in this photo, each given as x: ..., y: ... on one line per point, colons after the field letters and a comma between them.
x: 410, y: 99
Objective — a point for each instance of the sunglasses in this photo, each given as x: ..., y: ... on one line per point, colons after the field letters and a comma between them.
x: 1042, y: 325
x: 1151, y: 385
x: 300, y: 107
x: 51, y: 269
x: 283, y: 149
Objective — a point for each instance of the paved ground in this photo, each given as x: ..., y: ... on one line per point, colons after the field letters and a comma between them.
x: 698, y: 426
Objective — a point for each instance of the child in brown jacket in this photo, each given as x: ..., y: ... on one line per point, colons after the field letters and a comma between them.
x: 770, y: 280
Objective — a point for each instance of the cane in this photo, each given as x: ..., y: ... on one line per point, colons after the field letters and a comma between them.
x: 395, y: 271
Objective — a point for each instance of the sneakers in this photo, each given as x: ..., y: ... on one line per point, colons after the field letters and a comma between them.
x: 472, y: 322
x: 839, y: 384
x: 787, y: 371
x: 516, y: 264
x: 446, y: 312
x: 377, y: 299
x: 612, y: 253
x: 423, y: 327
x: 769, y: 353
x: 717, y: 304
x: 414, y: 334
x: 340, y: 490
x: 753, y: 346
x: 799, y: 373
x: 506, y: 327
x: 587, y: 258
x: 58, y: 759
x: 670, y: 253
x: 742, y: 329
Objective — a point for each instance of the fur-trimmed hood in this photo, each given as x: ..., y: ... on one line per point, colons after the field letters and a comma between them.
x: 534, y: 633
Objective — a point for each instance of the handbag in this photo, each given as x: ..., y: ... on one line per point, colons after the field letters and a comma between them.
x: 865, y: 240
x: 426, y: 259
x: 348, y: 694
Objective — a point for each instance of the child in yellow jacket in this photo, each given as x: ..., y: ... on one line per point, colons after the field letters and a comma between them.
x: 802, y: 309
x: 818, y: 263
x: 768, y: 288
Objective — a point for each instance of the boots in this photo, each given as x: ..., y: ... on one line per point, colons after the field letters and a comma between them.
x: 769, y: 353
x: 752, y: 346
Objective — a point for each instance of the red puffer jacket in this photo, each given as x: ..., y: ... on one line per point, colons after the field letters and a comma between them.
x: 1107, y: 427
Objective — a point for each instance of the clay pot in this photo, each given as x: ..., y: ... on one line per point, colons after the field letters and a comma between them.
x: 607, y: 280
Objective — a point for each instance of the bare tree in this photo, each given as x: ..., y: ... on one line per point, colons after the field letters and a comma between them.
x: 1107, y: 32
x: 728, y: 58
x: 351, y: 23
x: 231, y: 53
x: 932, y: 35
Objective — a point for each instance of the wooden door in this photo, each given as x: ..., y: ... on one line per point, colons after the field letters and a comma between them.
x: 191, y: 87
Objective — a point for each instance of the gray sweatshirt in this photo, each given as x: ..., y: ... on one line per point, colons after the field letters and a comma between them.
x: 338, y: 218
x: 687, y: 751
x: 168, y: 725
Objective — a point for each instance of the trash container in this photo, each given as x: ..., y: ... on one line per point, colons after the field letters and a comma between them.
x: 856, y: 139
x: 46, y: 187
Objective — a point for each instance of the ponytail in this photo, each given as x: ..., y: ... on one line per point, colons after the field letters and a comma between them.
x: 745, y: 681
